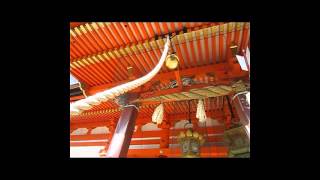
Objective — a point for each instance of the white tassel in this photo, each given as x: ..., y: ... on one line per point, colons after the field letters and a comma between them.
x: 157, y: 115
x: 201, y: 113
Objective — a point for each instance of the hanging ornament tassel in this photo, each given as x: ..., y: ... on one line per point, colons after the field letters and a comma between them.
x: 201, y: 113
x: 157, y: 115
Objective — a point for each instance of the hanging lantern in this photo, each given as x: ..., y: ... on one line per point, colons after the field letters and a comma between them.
x: 190, y: 142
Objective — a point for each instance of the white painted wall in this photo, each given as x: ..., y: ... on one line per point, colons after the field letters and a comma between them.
x: 150, y: 127
x: 85, y: 151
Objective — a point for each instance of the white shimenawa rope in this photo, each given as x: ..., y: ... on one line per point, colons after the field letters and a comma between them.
x: 248, y: 98
x: 87, y: 103
x: 201, y: 113
x: 157, y: 115
x: 243, y: 92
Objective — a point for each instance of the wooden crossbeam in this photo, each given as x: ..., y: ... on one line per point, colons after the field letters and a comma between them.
x: 222, y: 67
x: 144, y: 134
x: 215, y: 151
x: 163, y: 144
x: 96, y: 121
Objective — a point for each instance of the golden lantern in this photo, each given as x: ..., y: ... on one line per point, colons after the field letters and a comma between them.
x: 190, y: 142
x: 172, y: 61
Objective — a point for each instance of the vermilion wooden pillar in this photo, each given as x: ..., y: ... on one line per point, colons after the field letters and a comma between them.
x: 165, y: 126
x: 242, y: 108
x: 164, y: 139
x: 228, y: 114
x: 121, y: 139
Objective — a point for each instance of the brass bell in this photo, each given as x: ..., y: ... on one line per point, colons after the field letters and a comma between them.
x: 182, y: 135
x: 195, y: 134
x: 200, y: 137
x: 172, y: 61
x: 189, y: 133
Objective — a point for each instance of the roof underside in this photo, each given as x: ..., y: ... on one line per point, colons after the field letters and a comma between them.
x: 101, y: 52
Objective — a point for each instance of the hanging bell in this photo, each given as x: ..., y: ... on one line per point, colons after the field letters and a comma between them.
x: 172, y: 61
x: 195, y: 134
x: 182, y: 135
x: 189, y: 133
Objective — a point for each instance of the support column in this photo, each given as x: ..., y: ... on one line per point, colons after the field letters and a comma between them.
x: 178, y: 79
x: 228, y: 114
x: 164, y: 139
x: 121, y: 139
x: 112, y: 128
x: 243, y: 110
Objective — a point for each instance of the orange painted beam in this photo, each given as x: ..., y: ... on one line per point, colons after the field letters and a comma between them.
x: 245, y: 39
x: 81, y: 77
x: 217, y: 68
x: 136, y: 32
x: 88, y: 137
x: 152, y: 134
x: 96, y: 89
x: 79, y: 46
x: 177, y: 90
x: 214, y: 152
x: 221, y: 47
x: 143, y: 119
x: 144, y: 32
x: 178, y: 78
x: 88, y: 143
x: 86, y: 42
x: 97, y: 38
x: 182, y: 62
x: 148, y: 134
x: 116, y: 35
x: 183, y: 43
x: 193, y: 71
x: 76, y: 24
x: 202, y: 58
x: 176, y: 151
x: 74, y: 98
x: 181, y: 112
x: 145, y: 142
x: 103, y: 37
x: 87, y: 70
x: 104, y: 142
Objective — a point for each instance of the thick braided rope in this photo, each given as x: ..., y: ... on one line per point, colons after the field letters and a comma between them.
x: 87, y: 103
